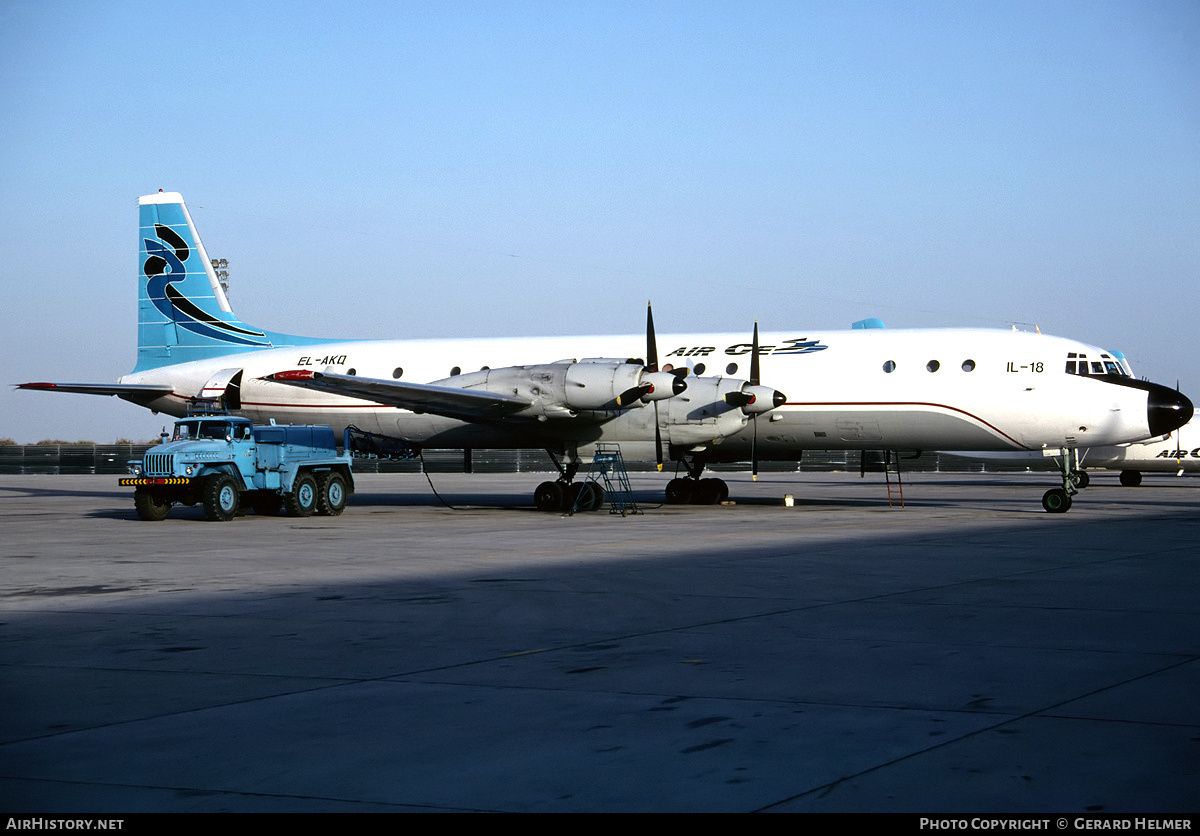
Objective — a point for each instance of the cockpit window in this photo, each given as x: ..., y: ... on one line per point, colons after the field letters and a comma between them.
x: 1080, y: 364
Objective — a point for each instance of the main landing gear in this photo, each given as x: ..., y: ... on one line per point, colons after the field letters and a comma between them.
x: 692, y: 490
x: 564, y: 494
x: 560, y: 496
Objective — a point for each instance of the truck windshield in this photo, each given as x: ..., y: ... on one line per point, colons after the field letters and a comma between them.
x: 185, y: 430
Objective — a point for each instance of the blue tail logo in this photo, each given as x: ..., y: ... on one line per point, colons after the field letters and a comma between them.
x: 163, y: 267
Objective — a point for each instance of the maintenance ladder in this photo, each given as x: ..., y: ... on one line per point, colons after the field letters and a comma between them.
x: 889, y: 462
x: 891, y: 467
x: 608, y: 470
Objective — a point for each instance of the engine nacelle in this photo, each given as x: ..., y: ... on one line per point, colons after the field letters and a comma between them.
x: 562, y: 390
x: 716, y: 407
x: 701, y: 415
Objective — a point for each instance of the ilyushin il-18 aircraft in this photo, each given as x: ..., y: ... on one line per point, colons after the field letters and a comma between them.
x: 709, y: 397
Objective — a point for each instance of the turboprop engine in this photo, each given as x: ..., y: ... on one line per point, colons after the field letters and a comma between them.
x: 565, y: 389
x: 713, y: 408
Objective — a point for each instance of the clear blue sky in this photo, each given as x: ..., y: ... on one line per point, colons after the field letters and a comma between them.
x: 508, y: 168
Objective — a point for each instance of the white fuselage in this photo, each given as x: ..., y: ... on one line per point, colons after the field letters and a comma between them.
x: 951, y: 389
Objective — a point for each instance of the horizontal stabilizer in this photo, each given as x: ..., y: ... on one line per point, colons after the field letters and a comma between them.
x: 132, y: 392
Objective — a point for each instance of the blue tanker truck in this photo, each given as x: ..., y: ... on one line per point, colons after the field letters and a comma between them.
x: 228, y: 465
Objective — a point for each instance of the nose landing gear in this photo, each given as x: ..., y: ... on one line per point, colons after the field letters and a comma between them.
x: 1058, y: 500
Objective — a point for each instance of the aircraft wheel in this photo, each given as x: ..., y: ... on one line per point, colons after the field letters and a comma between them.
x: 1056, y: 501
x: 706, y: 492
x: 331, y: 494
x: 150, y: 507
x: 585, y: 496
x: 1080, y: 479
x: 574, y: 498
x: 679, y: 491
x: 722, y: 490
x: 549, y: 496
x: 220, y: 498
x: 1131, y: 478
x: 302, y: 501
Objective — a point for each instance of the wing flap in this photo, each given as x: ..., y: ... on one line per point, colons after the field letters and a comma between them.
x: 450, y: 401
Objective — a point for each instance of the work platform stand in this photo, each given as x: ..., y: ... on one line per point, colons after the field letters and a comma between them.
x: 608, y: 471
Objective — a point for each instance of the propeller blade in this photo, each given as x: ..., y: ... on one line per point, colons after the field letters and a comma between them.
x: 630, y: 396
x: 652, y: 366
x: 754, y: 451
x: 658, y: 456
x: 651, y: 343
x: 755, y: 378
x: 754, y: 367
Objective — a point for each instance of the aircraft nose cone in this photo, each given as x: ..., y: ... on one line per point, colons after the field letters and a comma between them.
x: 1167, y: 410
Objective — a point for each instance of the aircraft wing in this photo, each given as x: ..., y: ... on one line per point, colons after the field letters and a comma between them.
x: 450, y: 401
x: 141, y: 394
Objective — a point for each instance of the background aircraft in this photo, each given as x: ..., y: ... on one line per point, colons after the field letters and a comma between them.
x: 713, y: 399
x: 1178, y: 453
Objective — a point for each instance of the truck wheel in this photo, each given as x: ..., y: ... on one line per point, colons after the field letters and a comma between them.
x: 331, y: 494
x: 220, y: 498
x: 302, y: 501
x: 150, y: 507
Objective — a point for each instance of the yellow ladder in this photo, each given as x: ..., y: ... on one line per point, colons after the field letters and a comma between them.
x: 891, y: 467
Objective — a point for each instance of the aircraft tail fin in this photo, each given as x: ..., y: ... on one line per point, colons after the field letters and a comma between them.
x: 183, y: 312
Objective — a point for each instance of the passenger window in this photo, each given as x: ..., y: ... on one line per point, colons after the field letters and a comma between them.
x: 889, y: 366
x: 731, y: 368
x: 456, y: 371
x: 968, y: 365
x: 699, y: 369
x: 397, y: 373
x: 932, y: 366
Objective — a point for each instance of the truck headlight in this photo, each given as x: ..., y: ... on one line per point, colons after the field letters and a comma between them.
x: 135, y: 469
x: 188, y: 470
